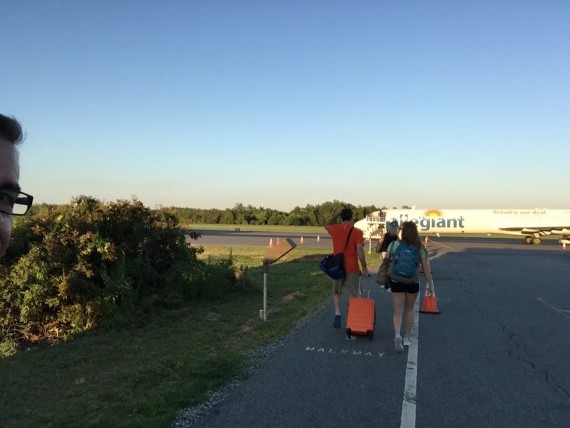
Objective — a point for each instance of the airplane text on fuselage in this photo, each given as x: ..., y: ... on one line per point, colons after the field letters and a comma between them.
x: 426, y: 223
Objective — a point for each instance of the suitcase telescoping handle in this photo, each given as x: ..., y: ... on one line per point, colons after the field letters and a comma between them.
x: 360, y: 288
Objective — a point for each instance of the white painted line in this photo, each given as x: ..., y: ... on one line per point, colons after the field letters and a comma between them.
x: 563, y: 312
x: 408, y: 419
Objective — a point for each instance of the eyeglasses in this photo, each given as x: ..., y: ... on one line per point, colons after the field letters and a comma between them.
x: 14, y: 202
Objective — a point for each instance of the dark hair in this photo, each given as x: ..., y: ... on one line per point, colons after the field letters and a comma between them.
x: 346, y: 214
x: 410, y: 234
x: 10, y: 129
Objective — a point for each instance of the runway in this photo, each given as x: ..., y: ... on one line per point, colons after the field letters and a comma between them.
x: 217, y: 237
x: 323, y: 240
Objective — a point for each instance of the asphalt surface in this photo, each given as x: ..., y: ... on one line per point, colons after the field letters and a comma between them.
x: 496, y: 356
x: 219, y: 237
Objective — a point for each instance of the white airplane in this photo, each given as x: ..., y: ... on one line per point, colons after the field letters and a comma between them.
x: 530, y: 223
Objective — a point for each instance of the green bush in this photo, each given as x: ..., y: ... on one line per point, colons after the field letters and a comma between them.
x: 77, y: 267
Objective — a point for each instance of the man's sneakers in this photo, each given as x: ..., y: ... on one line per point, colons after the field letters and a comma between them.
x: 398, y: 344
x: 407, y: 341
x: 336, y: 323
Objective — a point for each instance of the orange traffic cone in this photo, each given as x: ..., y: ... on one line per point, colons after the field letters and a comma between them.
x: 318, y: 238
x: 271, y: 242
x: 277, y: 241
x: 302, y: 240
x: 429, y: 305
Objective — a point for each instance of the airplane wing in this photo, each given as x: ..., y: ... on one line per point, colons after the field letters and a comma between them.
x: 542, y: 230
x: 532, y: 234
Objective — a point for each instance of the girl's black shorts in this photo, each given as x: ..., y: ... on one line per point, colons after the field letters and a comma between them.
x: 400, y: 287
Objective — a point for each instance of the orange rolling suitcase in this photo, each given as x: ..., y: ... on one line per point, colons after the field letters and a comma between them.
x: 361, y: 316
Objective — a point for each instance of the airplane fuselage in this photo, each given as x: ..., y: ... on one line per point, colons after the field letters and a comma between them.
x: 531, y: 223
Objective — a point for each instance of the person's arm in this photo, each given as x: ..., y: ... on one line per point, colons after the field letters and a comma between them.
x: 362, y: 260
x: 332, y: 220
x: 427, y: 272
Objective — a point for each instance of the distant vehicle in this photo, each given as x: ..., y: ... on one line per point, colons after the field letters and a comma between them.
x: 532, y: 224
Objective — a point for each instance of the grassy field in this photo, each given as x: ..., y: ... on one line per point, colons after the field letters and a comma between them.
x: 144, y: 376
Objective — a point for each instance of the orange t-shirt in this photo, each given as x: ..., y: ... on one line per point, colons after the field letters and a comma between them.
x: 339, y: 232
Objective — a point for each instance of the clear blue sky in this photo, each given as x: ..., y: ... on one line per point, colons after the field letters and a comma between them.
x: 277, y: 104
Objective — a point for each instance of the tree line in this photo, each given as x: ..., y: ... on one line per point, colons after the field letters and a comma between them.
x: 310, y: 215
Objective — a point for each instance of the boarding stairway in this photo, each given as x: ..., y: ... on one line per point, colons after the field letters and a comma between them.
x: 372, y: 225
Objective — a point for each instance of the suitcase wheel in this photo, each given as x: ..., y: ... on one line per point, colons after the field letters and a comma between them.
x: 348, y: 333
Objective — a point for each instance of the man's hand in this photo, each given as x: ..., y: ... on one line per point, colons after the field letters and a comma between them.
x: 334, y: 217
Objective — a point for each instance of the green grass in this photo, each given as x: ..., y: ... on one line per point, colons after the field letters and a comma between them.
x: 145, y: 376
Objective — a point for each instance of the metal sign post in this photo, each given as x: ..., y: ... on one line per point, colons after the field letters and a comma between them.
x: 273, y: 254
x: 263, y: 312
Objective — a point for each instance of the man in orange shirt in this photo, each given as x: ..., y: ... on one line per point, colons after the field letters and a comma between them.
x: 353, y: 253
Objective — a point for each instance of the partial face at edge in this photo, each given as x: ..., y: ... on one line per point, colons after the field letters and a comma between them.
x: 9, y: 175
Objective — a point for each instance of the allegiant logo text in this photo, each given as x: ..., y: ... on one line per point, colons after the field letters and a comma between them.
x: 433, y: 219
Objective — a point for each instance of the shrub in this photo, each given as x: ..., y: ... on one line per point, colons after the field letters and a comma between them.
x: 76, y: 267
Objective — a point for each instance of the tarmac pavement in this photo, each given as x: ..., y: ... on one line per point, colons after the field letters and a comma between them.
x: 496, y: 355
